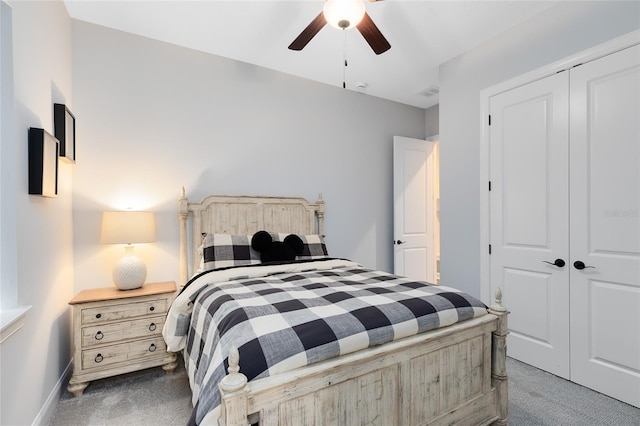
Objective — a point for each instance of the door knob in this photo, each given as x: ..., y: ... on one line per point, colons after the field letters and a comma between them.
x: 578, y: 264
x: 558, y: 262
x: 399, y: 242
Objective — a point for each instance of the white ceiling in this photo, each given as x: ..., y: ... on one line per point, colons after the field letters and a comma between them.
x: 422, y: 34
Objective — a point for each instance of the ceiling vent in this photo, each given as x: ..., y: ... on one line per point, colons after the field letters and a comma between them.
x: 429, y: 91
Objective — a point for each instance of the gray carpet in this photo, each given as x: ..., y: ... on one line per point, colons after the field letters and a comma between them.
x: 538, y: 398
x: 145, y: 398
x: 151, y: 397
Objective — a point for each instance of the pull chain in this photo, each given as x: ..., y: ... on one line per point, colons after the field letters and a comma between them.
x: 344, y: 58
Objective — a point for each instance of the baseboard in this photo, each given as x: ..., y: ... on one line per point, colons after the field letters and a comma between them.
x: 50, y: 404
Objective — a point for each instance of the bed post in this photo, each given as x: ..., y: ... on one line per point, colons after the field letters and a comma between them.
x: 234, y: 395
x: 183, y: 215
x: 320, y: 213
x: 499, y: 358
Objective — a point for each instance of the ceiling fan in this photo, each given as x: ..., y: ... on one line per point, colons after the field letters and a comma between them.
x: 344, y: 14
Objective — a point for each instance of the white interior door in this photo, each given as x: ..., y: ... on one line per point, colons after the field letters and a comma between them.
x: 414, y: 208
x: 605, y: 225
x: 529, y: 210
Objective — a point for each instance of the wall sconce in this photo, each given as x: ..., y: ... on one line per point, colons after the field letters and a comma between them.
x: 128, y: 227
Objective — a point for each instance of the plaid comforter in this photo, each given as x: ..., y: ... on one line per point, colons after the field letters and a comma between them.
x: 282, y: 317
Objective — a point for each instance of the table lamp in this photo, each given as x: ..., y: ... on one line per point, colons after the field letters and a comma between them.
x: 128, y: 227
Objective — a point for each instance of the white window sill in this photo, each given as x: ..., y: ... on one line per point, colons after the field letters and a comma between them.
x: 12, y: 320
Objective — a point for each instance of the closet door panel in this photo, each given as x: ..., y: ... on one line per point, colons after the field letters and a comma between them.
x: 605, y: 225
x: 529, y: 210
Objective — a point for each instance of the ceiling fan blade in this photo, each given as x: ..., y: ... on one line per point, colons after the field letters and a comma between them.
x: 308, y: 33
x: 372, y: 34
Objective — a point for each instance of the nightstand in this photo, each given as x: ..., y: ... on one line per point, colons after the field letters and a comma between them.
x: 119, y: 331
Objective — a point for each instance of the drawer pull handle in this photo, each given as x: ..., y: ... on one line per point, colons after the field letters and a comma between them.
x: 152, y: 348
x: 99, y: 335
x: 152, y: 309
x: 99, y: 358
x: 98, y: 316
x: 152, y: 327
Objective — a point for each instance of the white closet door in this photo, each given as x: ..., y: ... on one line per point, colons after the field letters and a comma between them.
x: 605, y: 225
x: 529, y: 210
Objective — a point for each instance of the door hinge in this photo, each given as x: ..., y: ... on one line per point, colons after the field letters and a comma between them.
x: 489, y: 248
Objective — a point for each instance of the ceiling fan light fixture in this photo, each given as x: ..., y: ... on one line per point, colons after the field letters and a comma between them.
x: 343, y: 14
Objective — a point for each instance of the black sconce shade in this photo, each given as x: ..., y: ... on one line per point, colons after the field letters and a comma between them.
x: 64, y: 123
x: 43, y: 163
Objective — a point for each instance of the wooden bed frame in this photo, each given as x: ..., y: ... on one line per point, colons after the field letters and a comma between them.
x: 453, y: 375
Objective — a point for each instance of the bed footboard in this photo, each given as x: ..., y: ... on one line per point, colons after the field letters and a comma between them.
x: 454, y: 375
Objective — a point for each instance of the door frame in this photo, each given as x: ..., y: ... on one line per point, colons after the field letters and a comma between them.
x: 595, y: 52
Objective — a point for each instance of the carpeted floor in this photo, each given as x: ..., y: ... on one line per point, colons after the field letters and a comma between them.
x: 151, y: 397
x: 145, y: 398
x: 538, y: 398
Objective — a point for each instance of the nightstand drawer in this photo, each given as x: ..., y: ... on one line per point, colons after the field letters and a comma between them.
x: 125, y: 330
x: 123, y: 311
x: 99, y: 357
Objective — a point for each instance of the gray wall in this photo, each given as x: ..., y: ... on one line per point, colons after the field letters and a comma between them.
x: 569, y: 28
x: 152, y: 117
x: 37, y: 232
x: 432, y: 121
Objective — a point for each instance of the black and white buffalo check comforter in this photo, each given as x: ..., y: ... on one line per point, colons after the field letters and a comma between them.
x: 282, y: 317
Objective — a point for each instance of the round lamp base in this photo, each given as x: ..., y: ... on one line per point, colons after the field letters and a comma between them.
x: 129, y: 272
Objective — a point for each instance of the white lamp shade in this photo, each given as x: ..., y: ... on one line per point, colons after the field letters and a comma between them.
x: 343, y: 14
x: 128, y: 227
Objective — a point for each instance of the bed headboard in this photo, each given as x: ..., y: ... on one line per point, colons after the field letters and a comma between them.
x: 242, y: 215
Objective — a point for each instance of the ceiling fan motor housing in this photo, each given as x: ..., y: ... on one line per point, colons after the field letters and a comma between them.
x: 344, y: 14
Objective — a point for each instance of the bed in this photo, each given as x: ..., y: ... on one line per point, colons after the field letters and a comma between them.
x: 451, y: 372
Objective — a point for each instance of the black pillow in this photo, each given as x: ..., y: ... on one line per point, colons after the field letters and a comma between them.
x: 271, y: 251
